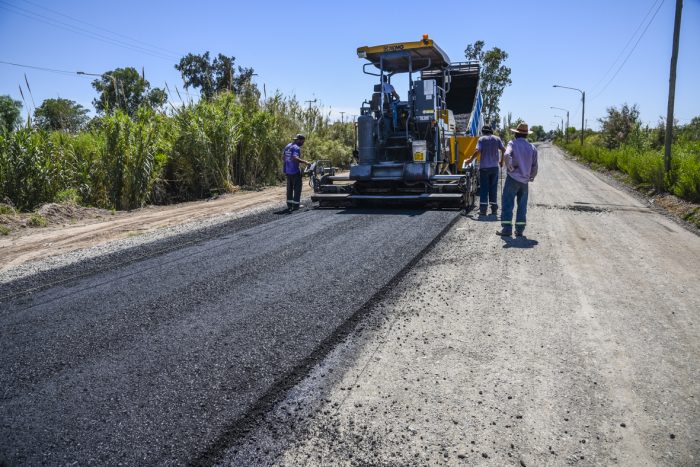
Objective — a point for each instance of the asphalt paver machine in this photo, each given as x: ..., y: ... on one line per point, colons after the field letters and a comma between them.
x: 413, y: 150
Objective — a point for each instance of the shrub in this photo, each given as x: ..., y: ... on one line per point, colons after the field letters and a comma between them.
x: 6, y: 209
x: 37, y: 220
x: 69, y: 195
x: 686, y: 167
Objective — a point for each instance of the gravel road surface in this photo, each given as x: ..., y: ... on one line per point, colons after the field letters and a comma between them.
x: 164, y: 353
x: 577, y: 345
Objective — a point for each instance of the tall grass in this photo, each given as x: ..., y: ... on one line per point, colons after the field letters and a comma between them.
x: 685, y: 166
x: 194, y: 151
x: 206, y: 135
x: 30, y: 172
x: 645, y: 165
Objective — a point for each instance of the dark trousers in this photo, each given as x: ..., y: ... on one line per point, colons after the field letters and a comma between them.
x: 293, y: 190
x: 514, y: 190
x: 488, y: 189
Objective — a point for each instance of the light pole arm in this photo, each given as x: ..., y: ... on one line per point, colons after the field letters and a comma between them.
x: 583, y: 105
x: 566, y: 129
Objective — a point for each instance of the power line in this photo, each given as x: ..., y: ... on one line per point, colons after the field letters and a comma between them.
x: 630, y: 52
x: 41, y: 7
x: 52, y: 70
x: 629, y: 41
x: 81, y: 31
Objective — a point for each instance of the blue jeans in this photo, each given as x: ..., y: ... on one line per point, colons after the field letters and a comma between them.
x: 488, y: 189
x: 513, y: 190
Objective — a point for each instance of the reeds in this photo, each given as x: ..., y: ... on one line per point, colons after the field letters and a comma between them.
x: 193, y: 152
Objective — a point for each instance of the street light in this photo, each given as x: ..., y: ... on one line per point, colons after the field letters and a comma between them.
x: 114, y: 82
x: 566, y: 130
x: 562, y: 122
x: 583, y: 105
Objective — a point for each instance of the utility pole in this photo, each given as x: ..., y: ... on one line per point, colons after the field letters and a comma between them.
x: 672, y: 87
x: 583, y: 106
x: 562, y: 123
x: 341, y: 117
x: 566, y: 130
x: 310, y: 102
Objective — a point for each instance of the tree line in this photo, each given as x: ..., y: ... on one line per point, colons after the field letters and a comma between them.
x: 625, y: 144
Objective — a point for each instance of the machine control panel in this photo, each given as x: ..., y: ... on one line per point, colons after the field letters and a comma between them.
x: 426, y: 99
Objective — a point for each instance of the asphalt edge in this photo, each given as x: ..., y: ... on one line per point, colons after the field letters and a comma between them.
x: 244, y: 424
x: 44, y: 278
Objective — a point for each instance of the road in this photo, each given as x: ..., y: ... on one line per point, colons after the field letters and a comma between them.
x: 349, y: 337
x: 155, y: 357
x: 577, y: 345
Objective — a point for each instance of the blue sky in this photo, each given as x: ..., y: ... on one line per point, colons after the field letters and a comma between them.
x: 307, y: 48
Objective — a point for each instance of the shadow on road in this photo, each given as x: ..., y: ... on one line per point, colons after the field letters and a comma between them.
x: 519, y: 242
x: 384, y: 211
x: 479, y: 218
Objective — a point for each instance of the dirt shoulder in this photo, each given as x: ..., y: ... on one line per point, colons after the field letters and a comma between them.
x: 61, y: 228
x: 681, y: 210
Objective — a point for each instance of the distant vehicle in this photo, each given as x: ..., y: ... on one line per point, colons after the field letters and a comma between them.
x: 412, y: 150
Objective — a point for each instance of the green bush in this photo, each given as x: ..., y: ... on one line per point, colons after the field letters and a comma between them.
x: 646, y: 166
x: 69, y: 195
x: 37, y: 220
x: 686, y: 167
x: 7, y: 210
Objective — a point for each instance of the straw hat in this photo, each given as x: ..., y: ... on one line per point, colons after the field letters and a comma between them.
x: 522, y: 129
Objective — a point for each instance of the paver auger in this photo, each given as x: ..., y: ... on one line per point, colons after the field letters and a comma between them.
x: 414, y: 150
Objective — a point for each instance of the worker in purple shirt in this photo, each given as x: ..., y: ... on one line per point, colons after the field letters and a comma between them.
x: 521, y: 166
x: 490, y: 148
x: 292, y: 157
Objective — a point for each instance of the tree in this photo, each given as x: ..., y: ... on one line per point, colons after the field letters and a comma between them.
x: 691, y: 131
x: 61, y: 115
x: 215, y: 76
x: 10, y: 110
x: 132, y: 91
x: 538, y: 133
x: 619, y: 125
x: 495, y: 76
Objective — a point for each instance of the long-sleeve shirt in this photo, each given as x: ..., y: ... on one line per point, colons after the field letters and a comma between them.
x: 521, y: 160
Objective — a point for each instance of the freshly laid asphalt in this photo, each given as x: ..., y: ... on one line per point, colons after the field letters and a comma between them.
x: 166, y: 356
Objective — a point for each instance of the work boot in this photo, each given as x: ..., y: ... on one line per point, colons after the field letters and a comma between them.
x: 504, y: 233
x: 482, y: 212
x: 518, y: 234
x: 494, y: 210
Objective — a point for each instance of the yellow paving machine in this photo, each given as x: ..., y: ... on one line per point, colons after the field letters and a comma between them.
x: 413, y: 150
